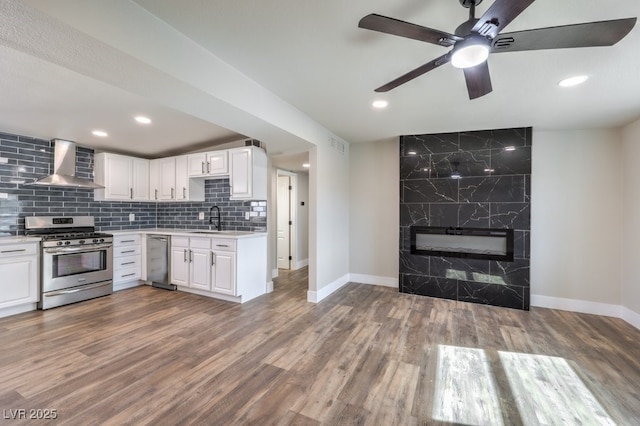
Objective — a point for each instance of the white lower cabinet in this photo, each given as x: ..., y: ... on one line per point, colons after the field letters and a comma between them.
x: 127, y: 261
x: 19, y: 269
x: 227, y: 268
x: 190, y: 260
x: 223, y: 266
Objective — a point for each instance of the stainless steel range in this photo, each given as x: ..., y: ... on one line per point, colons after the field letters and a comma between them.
x: 76, y: 261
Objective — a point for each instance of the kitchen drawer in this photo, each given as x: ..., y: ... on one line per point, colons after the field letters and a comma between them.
x: 126, y: 262
x: 127, y: 274
x: 126, y: 251
x: 11, y: 250
x: 130, y: 239
x: 219, y: 244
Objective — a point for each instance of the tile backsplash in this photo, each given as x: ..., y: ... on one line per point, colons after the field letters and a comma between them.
x: 24, y: 159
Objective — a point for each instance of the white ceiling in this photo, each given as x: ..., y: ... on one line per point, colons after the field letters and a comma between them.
x: 310, y: 54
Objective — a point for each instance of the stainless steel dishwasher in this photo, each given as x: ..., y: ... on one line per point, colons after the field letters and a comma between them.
x: 158, y: 255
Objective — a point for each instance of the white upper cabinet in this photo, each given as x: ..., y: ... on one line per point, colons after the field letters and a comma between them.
x: 204, y: 164
x: 170, y: 181
x: 123, y: 177
x: 248, y: 173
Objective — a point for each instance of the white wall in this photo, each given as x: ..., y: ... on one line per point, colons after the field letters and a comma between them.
x: 576, y: 220
x: 631, y: 223
x: 302, y: 218
x: 328, y: 220
x: 374, y: 178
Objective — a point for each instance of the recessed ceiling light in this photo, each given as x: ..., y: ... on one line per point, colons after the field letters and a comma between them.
x: 100, y: 133
x: 489, y: 170
x: 143, y: 120
x: 509, y: 148
x: 573, y: 81
x: 380, y: 103
x: 411, y: 153
x: 306, y: 165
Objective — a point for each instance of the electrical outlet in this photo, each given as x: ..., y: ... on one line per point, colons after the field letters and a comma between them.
x: 132, y: 217
x: 201, y: 215
x: 246, y: 215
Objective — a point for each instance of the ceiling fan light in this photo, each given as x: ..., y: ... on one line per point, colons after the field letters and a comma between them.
x: 469, y: 55
x: 573, y: 81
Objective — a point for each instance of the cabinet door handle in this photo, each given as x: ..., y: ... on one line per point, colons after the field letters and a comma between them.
x: 128, y: 251
x: 208, y: 167
x: 131, y: 193
x: 190, y: 256
x: 12, y: 251
x: 203, y: 167
x: 213, y: 258
x: 184, y: 193
x: 185, y: 255
x: 127, y: 263
x: 221, y: 245
x: 128, y: 275
x: 156, y: 194
x: 128, y: 241
x: 172, y: 191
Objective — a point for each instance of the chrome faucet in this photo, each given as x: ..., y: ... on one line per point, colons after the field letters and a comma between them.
x: 218, y: 224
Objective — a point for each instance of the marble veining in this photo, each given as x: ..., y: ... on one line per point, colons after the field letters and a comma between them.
x: 493, y: 191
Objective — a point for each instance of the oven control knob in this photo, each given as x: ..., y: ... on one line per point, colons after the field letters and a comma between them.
x: 59, y: 243
x: 66, y: 243
x: 102, y: 240
x: 81, y: 242
x: 95, y: 240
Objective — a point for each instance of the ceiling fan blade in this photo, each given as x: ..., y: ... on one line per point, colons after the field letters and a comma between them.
x: 422, y: 69
x: 602, y: 33
x: 393, y: 26
x: 478, y: 80
x: 499, y: 15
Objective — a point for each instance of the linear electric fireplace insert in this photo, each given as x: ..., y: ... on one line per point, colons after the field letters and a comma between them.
x: 474, y: 243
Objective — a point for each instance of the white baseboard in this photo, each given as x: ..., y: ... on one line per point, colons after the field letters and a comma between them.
x: 317, y: 296
x: 575, y: 305
x: 15, y: 310
x: 631, y: 317
x: 123, y: 286
x: 274, y: 273
x: 374, y: 280
x: 301, y: 264
x: 269, y: 286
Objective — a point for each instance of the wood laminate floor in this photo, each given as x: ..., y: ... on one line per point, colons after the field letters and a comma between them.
x: 365, y: 355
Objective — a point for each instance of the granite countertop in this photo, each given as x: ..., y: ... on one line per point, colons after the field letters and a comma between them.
x: 19, y: 239
x: 191, y: 233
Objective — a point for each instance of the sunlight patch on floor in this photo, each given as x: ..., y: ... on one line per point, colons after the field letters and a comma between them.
x: 465, y: 390
x: 548, y: 392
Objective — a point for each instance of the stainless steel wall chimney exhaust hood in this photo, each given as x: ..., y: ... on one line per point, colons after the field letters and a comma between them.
x: 64, y: 169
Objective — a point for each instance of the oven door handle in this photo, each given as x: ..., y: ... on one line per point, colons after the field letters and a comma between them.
x: 83, y: 249
x: 76, y: 289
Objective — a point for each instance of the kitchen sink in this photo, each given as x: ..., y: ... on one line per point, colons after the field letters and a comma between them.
x: 206, y: 232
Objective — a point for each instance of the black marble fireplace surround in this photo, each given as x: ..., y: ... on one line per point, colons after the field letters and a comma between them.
x: 478, y: 179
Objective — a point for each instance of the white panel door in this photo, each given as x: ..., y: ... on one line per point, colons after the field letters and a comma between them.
x: 118, y: 177
x: 179, y: 266
x: 200, y: 269
x: 283, y: 244
x: 197, y: 164
x: 140, y: 179
x: 223, y: 272
x: 241, y: 172
x: 182, y: 178
x: 217, y: 163
x: 167, y: 177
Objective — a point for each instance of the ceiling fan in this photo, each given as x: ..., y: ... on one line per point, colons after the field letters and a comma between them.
x: 476, y: 38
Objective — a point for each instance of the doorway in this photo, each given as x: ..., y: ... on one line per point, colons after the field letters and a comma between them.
x: 285, y: 232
